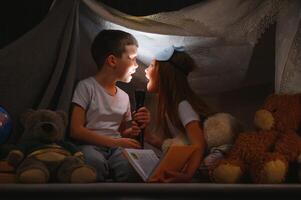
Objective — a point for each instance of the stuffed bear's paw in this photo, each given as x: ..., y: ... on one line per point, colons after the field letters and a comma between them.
x: 74, y: 170
x: 34, y: 175
x: 15, y: 157
x: 226, y: 173
x: 83, y: 174
x: 273, y: 171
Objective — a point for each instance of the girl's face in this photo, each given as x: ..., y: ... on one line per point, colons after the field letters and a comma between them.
x: 151, y: 73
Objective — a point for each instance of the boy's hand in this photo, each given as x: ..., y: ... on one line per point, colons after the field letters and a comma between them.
x: 128, y: 143
x: 133, y: 131
x: 142, y: 117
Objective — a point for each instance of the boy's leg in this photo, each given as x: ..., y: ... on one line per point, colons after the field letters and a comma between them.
x: 97, y: 159
x: 121, y: 168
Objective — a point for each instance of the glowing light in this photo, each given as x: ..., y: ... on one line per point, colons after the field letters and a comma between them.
x: 149, y: 43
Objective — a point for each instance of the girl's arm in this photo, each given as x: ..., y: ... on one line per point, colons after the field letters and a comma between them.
x: 196, y: 138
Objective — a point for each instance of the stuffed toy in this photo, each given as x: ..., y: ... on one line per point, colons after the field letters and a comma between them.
x: 264, y: 155
x: 220, y: 131
x: 42, y: 155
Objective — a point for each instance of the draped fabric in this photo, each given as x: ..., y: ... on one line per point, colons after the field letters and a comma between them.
x: 288, y: 49
x: 40, y: 69
x: 220, y: 29
x: 236, y: 20
x: 220, y: 37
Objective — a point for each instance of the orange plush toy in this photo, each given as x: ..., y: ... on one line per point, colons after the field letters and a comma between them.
x: 265, y: 155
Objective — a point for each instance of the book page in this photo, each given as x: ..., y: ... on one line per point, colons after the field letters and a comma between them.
x: 143, y: 160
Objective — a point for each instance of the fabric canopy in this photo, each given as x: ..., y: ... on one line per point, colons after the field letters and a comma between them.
x: 40, y: 69
x: 224, y: 36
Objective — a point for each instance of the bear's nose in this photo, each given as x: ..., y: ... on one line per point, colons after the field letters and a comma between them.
x: 47, y: 127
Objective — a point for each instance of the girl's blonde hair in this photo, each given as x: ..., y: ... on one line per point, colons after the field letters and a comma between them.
x: 174, y: 88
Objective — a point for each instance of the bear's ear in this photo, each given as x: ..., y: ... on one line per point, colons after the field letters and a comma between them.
x: 63, y: 115
x: 24, y: 116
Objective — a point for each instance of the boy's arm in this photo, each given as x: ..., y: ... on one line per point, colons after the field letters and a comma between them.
x: 132, y: 131
x: 79, y: 132
x: 122, y: 128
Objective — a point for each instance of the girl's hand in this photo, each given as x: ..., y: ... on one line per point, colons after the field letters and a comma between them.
x: 127, y: 143
x: 142, y: 117
x: 177, y: 177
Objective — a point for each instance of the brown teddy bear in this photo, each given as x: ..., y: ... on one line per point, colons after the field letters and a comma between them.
x: 265, y: 154
x: 43, y: 156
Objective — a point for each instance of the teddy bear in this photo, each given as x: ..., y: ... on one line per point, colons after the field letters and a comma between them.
x: 264, y: 155
x: 42, y: 155
x: 220, y: 131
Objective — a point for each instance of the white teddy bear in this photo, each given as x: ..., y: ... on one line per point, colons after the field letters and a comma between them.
x: 220, y: 131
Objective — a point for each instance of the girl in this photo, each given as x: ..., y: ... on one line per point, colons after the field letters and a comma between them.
x: 179, y: 110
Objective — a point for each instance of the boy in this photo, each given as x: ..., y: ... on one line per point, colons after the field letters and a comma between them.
x: 101, y: 110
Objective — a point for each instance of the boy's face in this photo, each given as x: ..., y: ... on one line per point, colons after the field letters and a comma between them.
x: 126, y: 64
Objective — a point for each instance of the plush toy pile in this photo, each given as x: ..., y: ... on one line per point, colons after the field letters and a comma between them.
x: 264, y: 155
x: 43, y: 156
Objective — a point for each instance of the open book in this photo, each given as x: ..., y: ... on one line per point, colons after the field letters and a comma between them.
x: 149, y: 166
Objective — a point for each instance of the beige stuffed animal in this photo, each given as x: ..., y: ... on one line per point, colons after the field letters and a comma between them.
x: 220, y: 131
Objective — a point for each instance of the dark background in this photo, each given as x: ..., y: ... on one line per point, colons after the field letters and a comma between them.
x: 19, y: 16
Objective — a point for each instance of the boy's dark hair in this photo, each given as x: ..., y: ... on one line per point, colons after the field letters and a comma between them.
x: 109, y: 42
